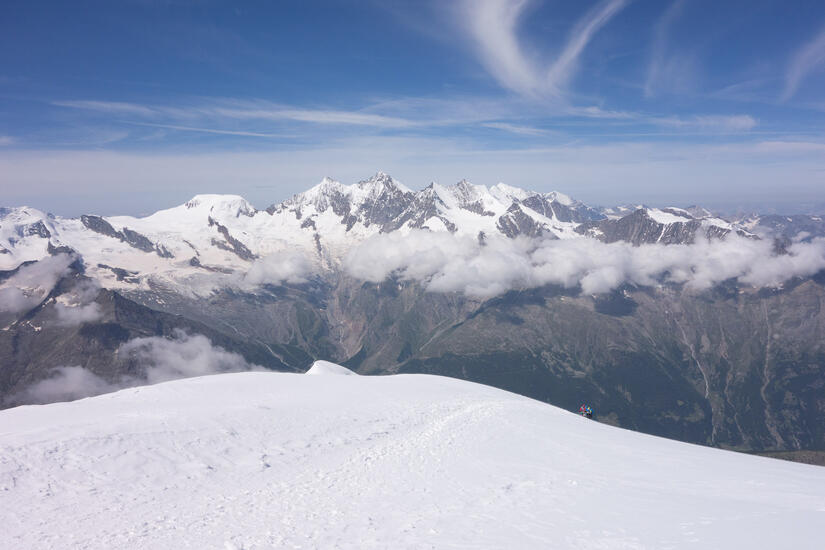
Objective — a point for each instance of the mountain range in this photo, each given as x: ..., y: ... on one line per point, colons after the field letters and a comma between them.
x: 532, y: 292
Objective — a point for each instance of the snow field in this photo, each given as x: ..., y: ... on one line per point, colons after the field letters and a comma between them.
x: 271, y: 460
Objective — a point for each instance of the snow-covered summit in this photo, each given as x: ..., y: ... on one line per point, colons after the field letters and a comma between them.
x: 324, y: 368
x: 380, y: 181
x: 233, y: 205
x: 269, y: 460
x: 24, y: 235
x: 330, y: 193
x: 505, y: 192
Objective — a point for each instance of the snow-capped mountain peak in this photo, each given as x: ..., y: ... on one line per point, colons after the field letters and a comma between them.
x: 382, y: 181
x: 321, y: 196
x: 560, y: 198
x: 504, y: 192
x: 233, y: 205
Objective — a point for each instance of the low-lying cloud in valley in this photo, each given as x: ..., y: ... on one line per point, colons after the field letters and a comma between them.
x: 280, y: 267
x: 77, y: 307
x: 184, y: 356
x: 159, y: 359
x: 482, y: 269
x: 30, y: 285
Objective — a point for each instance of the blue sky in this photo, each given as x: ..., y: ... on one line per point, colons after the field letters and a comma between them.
x: 127, y: 107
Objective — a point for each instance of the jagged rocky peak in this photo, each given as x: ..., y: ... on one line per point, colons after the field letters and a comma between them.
x: 474, y: 198
x: 560, y: 198
x: 670, y: 225
x: 378, y: 199
x: 221, y: 206
x: 465, y: 192
x: 329, y: 193
x: 380, y: 184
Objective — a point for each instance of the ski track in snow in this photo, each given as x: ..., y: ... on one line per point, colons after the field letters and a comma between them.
x: 270, y: 460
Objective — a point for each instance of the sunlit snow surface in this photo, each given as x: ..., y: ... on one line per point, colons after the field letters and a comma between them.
x: 270, y: 460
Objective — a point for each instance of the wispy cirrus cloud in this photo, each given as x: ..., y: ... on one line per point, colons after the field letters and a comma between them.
x: 515, y: 128
x: 240, y: 110
x: 661, y: 66
x: 804, y: 61
x: 565, y: 65
x: 318, y: 116
x: 205, y: 130
x: 725, y: 123
x: 493, y: 26
x: 709, y: 123
x: 595, y: 111
x: 111, y: 107
x: 411, y: 116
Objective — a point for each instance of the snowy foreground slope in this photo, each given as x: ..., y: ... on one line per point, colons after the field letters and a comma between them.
x: 271, y: 460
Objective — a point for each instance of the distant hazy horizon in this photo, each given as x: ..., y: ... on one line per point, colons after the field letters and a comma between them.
x: 261, y: 196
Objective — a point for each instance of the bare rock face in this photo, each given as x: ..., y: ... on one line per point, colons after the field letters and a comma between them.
x: 640, y: 228
x: 132, y: 238
x: 516, y: 222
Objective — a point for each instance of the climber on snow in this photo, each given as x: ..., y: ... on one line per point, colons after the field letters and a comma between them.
x: 585, y: 410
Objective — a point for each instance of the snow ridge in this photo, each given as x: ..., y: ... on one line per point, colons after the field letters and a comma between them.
x: 272, y: 460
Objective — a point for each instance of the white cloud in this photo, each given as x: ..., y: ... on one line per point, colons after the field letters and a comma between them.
x: 237, y: 110
x: 77, y: 307
x: 206, y: 130
x: 185, y: 356
x: 158, y: 359
x: 595, y: 111
x: 563, y: 68
x: 446, y: 263
x: 805, y: 61
x: 30, y: 285
x: 65, y: 384
x: 493, y: 26
x: 515, y: 129
x: 665, y: 70
x: 278, y: 268
x: 79, y: 314
x: 319, y: 116
x: 726, y: 123
x: 110, y: 107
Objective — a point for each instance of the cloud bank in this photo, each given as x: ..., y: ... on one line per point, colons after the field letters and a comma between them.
x: 77, y: 306
x: 30, y: 285
x: 443, y: 262
x: 184, y: 356
x: 280, y: 267
x: 160, y: 359
x: 66, y: 384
